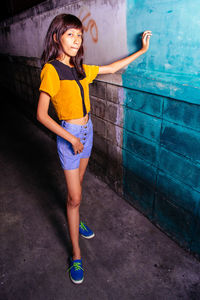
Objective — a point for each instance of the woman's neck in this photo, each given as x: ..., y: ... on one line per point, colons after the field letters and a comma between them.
x: 65, y: 60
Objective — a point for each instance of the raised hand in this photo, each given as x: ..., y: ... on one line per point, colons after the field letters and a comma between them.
x: 145, y: 40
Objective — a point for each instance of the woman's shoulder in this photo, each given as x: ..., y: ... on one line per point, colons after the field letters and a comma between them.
x: 49, y: 65
x: 91, y: 72
x: 90, y: 68
x: 49, y: 70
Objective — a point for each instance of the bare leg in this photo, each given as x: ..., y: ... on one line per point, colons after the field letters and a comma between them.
x: 73, y: 204
x: 82, y: 168
x: 74, y: 179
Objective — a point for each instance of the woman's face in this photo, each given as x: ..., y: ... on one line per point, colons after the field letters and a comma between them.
x: 71, y: 41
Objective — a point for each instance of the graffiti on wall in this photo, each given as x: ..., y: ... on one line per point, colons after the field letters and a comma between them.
x: 89, y: 24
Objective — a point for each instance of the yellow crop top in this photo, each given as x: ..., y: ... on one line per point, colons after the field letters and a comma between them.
x: 69, y: 94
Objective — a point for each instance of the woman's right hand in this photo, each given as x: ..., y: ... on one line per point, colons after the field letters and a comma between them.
x: 77, y: 145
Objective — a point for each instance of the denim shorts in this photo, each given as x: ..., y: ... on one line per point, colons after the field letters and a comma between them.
x: 69, y: 160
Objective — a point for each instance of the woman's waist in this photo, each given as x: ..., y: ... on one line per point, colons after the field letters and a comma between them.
x: 80, y: 121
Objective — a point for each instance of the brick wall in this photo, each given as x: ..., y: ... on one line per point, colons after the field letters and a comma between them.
x: 147, y: 147
x: 107, y: 117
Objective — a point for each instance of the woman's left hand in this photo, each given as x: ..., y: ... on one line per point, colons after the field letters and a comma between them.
x: 145, y: 40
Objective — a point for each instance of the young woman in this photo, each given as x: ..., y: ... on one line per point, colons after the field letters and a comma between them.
x: 64, y: 81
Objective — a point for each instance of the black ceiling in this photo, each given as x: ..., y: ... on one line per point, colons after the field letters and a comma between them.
x: 10, y: 8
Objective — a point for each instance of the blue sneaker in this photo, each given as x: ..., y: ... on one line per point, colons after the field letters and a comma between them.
x: 85, y: 231
x: 76, y: 271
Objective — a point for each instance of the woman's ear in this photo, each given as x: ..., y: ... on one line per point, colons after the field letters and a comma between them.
x: 54, y: 38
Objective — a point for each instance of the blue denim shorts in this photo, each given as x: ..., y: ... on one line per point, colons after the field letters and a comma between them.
x: 69, y: 160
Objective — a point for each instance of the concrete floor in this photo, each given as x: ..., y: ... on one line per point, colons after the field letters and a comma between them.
x: 129, y: 258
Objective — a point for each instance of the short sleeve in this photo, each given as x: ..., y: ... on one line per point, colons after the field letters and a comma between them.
x: 50, y: 82
x: 91, y: 72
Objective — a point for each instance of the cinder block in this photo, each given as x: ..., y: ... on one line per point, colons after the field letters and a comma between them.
x: 195, y: 245
x: 179, y: 167
x: 142, y: 170
x: 114, y: 134
x: 144, y: 102
x: 100, y: 145
x: 114, y: 113
x: 36, y: 82
x: 181, y: 140
x: 112, y: 93
x: 178, y: 193
x: 120, y: 116
x: 114, y: 153
x: 98, y: 89
x: 186, y: 114
x: 23, y: 90
x: 97, y: 168
x: 35, y: 77
x: 29, y: 78
x: 36, y: 95
x: 137, y: 193
x: 29, y: 90
x: 99, y: 126
x: 114, y: 167
x: 27, y: 75
x: 99, y: 157
x: 114, y: 176
x: 143, y: 124
x: 23, y: 73
x: 121, y: 95
x: 142, y: 147
x: 111, y: 112
x: 174, y: 220
x: 98, y: 106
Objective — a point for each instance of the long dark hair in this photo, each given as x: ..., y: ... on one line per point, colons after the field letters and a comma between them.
x: 52, y: 49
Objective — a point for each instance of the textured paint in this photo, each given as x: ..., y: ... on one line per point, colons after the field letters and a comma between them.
x: 178, y: 167
x: 185, y: 114
x: 171, y: 67
x: 161, y: 135
x: 175, y: 221
x: 142, y: 124
x: 175, y: 40
x: 181, y: 140
x: 144, y: 102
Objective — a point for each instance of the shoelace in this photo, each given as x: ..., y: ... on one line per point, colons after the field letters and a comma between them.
x: 82, y: 225
x: 76, y: 266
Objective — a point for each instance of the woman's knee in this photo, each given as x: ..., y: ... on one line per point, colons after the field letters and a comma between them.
x: 74, y: 201
x: 81, y: 181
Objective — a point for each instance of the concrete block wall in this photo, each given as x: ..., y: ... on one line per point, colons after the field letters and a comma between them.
x: 161, y: 162
x: 21, y: 77
x: 107, y: 117
x: 146, y: 147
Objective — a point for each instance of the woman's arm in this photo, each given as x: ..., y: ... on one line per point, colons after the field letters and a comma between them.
x: 44, y: 118
x: 119, y: 64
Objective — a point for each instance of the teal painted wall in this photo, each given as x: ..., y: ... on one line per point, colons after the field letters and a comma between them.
x: 175, y: 41
x: 161, y: 136
x: 172, y: 65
